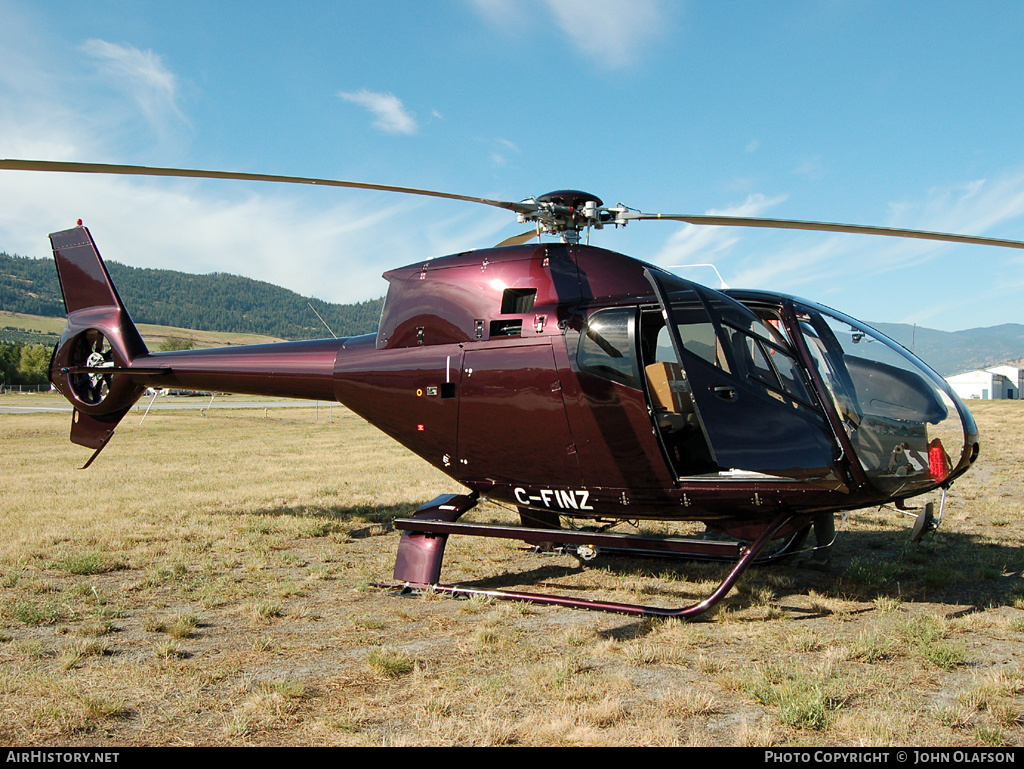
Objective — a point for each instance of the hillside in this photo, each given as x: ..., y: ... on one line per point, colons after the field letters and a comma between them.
x: 24, y: 329
x: 214, y: 302
x: 953, y: 352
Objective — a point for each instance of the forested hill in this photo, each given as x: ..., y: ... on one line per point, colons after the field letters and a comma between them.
x: 954, y: 352
x: 215, y: 302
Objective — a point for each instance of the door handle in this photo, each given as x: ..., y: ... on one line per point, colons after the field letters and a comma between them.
x: 725, y: 392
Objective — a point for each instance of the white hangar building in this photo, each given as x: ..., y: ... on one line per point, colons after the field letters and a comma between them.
x: 994, y: 383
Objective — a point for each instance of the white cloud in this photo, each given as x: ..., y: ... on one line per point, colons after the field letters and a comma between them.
x: 883, y: 278
x: 972, y: 207
x: 391, y: 115
x: 702, y: 243
x: 505, y: 14
x: 500, y: 155
x: 331, y: 244
x: 609, y: 32
x: 810, y: 168
x: 141, y: 75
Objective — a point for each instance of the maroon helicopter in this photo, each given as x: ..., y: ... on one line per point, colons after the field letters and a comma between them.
x: 573, y: 383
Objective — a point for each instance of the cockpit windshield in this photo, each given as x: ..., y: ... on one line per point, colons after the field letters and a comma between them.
x: 908, y: 429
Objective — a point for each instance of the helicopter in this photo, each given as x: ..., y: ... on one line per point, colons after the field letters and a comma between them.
x: 573, y: 383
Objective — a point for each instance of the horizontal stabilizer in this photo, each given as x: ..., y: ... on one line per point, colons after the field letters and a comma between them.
x: 136, y: 371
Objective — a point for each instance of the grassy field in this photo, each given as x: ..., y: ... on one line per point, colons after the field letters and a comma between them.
x: 48, y: 330
x: 207, y: 582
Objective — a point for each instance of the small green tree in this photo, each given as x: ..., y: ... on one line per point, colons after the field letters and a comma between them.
x: 10, y: 354
x: 172, y: 343
x: 34, y: 363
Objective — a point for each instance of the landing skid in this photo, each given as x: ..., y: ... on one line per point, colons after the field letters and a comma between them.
x: 418, y: 565
x: 639, y: 549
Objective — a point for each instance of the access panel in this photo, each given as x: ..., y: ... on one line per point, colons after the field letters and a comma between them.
x: 512, y: 423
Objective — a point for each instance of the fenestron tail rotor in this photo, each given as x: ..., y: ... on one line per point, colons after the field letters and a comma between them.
x: 563, y: 213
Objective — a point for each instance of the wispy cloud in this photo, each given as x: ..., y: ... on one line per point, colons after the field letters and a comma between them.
x: 253, y: 230
x: 500, y: 155
x: 391, y: 115
x: 608, y: 32
x: 972, y: 207
x: 141, y: 75
x: 810, y: 168
x: 854, y: 271
x: 701, y: 243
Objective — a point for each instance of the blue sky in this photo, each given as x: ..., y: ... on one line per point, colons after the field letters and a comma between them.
x: 905, y: 114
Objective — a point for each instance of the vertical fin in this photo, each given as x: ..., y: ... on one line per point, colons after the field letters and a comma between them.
x: 99, y: 334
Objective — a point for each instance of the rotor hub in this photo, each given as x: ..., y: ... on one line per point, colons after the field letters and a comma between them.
x: 566, y: 212
x: 574, y: 199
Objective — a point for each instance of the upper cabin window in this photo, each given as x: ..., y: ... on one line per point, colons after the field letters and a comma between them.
x: 606, y: 346
x: 696, y: 332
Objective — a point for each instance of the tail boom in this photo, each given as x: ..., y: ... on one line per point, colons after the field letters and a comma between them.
x: 101, y: 364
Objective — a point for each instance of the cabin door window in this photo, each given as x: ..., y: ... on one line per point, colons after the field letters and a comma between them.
x: 727, y: 396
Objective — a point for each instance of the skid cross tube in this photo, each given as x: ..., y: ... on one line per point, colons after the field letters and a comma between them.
x: 695, y: 548
x: 438, y: 531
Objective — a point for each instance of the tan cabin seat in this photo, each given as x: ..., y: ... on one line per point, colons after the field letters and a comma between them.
x: 673, y: 406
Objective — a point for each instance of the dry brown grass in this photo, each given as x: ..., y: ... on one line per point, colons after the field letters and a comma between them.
x: 207, y: 582
x: 152, y: 334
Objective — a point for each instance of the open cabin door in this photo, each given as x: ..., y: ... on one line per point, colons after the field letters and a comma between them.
x: 728, y: 396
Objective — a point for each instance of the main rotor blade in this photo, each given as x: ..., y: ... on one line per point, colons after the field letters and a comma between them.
x: 854, y: 229
x: 103, y: 168
x: 530, y: 208
x: 518, y: 240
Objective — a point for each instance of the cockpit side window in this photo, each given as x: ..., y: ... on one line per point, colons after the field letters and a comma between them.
x: 733, y: 340
x: 765, y: 357
x: 606, y: 348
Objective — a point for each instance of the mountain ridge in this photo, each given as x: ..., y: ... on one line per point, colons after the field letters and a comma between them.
x: 954, y: 352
